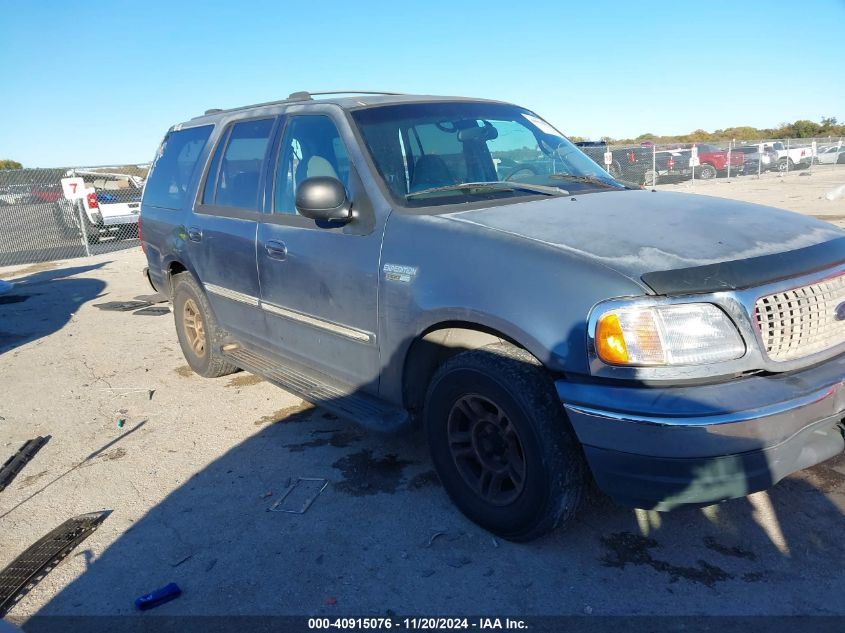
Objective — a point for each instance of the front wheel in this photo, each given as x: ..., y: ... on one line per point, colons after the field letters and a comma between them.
x: 501, y: 443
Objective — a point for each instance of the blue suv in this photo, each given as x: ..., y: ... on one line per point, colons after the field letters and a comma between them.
x: 459, y: 264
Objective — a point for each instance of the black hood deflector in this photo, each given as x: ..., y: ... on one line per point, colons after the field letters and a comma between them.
x: 746, y: 273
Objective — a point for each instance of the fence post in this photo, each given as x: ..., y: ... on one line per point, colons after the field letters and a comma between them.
x: 759, y: 159
x: 79, y: 204
x: 786, y: 172
x: 729, y: 160
x: 691, y: 171
x: 653, y: 164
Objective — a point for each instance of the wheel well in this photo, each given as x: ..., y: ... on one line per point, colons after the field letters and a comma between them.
x: 434, y: 347
x: 174, y: 268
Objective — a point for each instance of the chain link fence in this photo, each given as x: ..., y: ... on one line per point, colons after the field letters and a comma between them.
x: 37, y: 222
x: 649, y: 164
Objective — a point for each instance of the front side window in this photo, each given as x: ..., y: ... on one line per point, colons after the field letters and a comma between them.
x: 449, y: 153
x: 239, y: 170
x: 170, y: 174
x: 311, y: 147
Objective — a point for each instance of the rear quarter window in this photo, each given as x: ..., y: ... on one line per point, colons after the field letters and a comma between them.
x: 171, y: 173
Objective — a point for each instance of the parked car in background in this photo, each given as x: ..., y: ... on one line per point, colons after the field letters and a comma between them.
x: 831, y: 156
x: 755, y: 161
x: 671, y: 165
x: 110, y: 207
x: 46, y: 194
x: 629, y: 163
x: 792, y: 158
x: 713, y: 161
x: 15, y: 194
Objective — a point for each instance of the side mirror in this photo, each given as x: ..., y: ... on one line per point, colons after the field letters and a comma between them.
x: 323, y: 198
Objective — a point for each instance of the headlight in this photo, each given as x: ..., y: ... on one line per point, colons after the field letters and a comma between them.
x: 679, y: 334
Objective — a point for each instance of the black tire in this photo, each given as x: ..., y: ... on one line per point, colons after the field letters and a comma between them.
x: 201, y: 347
x: 783, y: 162
x: 524, y: 423
x: 707, y: 172
x: 67, y: 227
x: 650, y: 178
x: 92, y: 231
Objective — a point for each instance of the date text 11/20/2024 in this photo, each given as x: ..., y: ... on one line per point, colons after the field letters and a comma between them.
x: 419, y: 623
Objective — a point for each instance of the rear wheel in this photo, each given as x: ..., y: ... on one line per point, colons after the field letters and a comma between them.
x: 501, y: 443
x: 650, y: 178
x: 196, y: 329
x: 707, y: 172
x: 784, y: 162
x: 92, y: 231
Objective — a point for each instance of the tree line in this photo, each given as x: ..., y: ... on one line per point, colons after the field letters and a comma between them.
x: 802, y: 128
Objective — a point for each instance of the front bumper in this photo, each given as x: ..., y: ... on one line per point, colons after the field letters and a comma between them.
x: 662, y: 447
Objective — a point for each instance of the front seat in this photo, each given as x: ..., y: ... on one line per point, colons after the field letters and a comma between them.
x: 313, y: 167
x: 431, y: 171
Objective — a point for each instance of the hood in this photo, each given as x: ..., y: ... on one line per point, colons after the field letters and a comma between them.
x: 640, y: 232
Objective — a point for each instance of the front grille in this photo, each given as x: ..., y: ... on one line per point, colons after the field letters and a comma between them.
x: 802, y: 321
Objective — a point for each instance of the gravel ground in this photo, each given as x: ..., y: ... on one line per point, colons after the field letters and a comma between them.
x: 192, y: 471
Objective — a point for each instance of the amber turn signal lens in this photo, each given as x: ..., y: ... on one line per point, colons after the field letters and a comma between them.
x: 610, y: 342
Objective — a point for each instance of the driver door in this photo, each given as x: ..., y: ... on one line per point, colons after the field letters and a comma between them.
x: 319, y: 283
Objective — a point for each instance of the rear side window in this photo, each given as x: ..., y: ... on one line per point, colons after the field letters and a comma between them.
x: 240, y: 169
x: 171, y: 172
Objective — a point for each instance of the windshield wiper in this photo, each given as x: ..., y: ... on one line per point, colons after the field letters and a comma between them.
x: 591, y: 180
x: 496, y: 185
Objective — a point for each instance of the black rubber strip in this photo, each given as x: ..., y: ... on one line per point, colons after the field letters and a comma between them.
x: 747, y: 273
x: 16, y: 462
x: 28, y: 569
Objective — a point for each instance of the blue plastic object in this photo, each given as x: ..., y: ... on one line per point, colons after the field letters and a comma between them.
x: 159, y: 596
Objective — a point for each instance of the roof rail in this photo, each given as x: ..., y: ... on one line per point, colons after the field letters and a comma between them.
x: 305, y: 95
x: 297, y: 96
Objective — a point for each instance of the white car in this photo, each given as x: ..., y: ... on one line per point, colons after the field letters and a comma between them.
x: 111, y: 205
x: 831, y: 155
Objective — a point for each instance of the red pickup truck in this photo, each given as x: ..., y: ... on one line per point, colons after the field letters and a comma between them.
x: 714, y: 161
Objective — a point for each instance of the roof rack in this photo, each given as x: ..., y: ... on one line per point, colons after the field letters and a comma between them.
x: 305, y: 95
x: 302, y: 95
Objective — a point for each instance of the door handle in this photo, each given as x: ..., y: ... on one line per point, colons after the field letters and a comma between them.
x: 194, y: 234
x: 276, y: 249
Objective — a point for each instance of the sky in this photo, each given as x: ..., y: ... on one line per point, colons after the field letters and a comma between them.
x: 98, y: 83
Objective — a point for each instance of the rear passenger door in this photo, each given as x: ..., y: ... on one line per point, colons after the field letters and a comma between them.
x: 221, y: 234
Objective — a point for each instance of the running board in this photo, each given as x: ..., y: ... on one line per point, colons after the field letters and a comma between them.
x: 359, y: 407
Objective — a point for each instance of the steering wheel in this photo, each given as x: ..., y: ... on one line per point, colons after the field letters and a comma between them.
x: 524, y: 170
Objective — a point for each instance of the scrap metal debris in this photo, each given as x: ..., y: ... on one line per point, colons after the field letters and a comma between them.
x: 16, y: 462
x: 153, y: 298
x: 122, y: 306
x: 153, y: 311
x: 28, y: 569
x: 307, y: 490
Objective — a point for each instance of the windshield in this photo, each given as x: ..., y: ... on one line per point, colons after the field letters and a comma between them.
x: 427, y: 154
